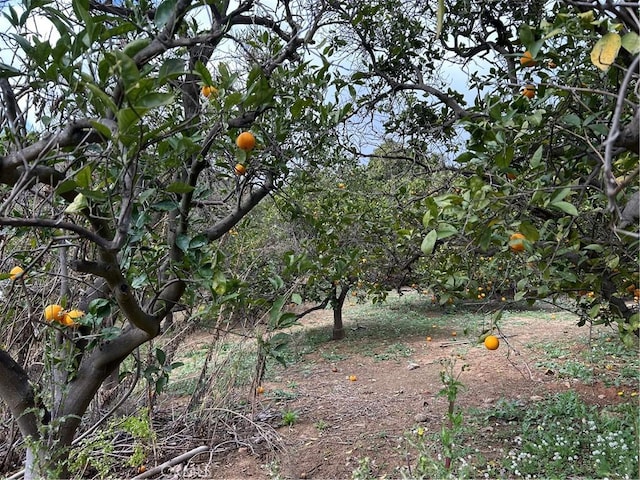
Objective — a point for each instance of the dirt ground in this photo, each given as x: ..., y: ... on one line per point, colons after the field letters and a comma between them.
x: 341, y: 420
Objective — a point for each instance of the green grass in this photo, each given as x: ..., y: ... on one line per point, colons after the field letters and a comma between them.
x: 559, y: 437
x: 563, y: 437
x: 395, y: 351
x: 573, y: 369
x: 289, y: 418
x: 232, y: 365
x: 398, y: 319
x: 601, y: 358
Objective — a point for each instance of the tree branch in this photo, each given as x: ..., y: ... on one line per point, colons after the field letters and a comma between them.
x: 49, y: 223
x: 17, y: 393
x: 245, y: 205
x: 110, y: 271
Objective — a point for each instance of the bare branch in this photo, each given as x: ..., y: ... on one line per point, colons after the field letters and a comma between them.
x: 245, y: 206
x: 49, y: 223
x: 609, y: 178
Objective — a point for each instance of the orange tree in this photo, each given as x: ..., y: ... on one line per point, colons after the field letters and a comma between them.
x: 355, y: 229
x: 117, y: 180
x: 557, y: 163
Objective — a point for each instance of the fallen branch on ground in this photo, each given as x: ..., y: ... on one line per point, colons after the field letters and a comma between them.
x: 170, y: 463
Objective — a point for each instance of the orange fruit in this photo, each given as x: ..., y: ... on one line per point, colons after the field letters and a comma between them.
x: 208, y: 90
x: 527, y: 59
x: 636, y: 293
x: 511, y: 176
x: 341, y: 185
x: 453, y: 334
x: 142, y: 469
x: 629, y: 289
x: 53, y: 313
x: 15, y: 271
x: 246, y: 141
x: 260, y: 390
x: 529, y: 91
x: 239, y: 169
x: 352, y: 378
x: 516, y: 242
x: 429, y: 339
x: 69, y: 318
x: 491, y: 342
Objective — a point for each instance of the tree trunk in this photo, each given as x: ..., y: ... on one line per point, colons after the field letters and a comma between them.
x: 338, y: 303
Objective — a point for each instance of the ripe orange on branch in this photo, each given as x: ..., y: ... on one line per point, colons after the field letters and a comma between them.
x: 15, y: 271
x: 69, y: 318
x: 527, y: 59
x: 516, y: 242
x: 529, y: 91
x: 53, y: 312
x: 240, y: 169
x: 246, y: 141
x: 208, y: 90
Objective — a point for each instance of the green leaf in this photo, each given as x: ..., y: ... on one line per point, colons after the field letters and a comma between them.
x: 78, y: 205
x: 154, y: 100
x: 529, y: 231
x: 128, y: 117
x: 198, y: 241
x: 431, y: 213
x: 296, y: 298
x: 503, y: 159
x: 605, y: 51
x: 631, y: 43
x: 429, y: 242
x: 101, y: 128
x: 219, y: 283
x: 81, y: 9
x: 613, y: 261
x: 182, y: 242
x: 161, y: 356
x: 7, y: 71
x: 83, y: 177
x: 126, y: 68
x: 572, y: 119
x: 536, y: 159
x: 164, y: 12
x: 100, y: 94
x: 560, y: 194
x: 180, y: 187
x: 201, y: 69
x: 170, y: 69
x: 134, y: 47
x: 526, y: 34
x: 165, y: 205
x: 66, y: 186
x: 566, y: 207
x: 446, y: 230
x: 139, y: 281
